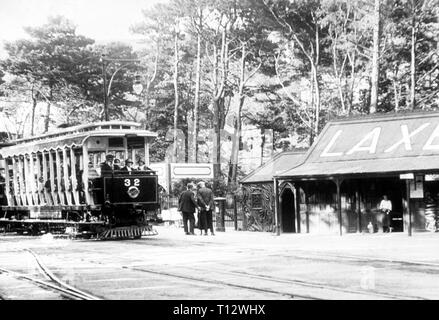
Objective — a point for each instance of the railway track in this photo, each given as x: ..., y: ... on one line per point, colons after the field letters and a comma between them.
x: 320, y: 290
x: 297, y: 288
x: 51, y: 282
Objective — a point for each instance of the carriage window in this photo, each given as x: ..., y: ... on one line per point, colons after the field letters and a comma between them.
x: 115, y: 142
x: 256, y: 200
x: 136, y: 142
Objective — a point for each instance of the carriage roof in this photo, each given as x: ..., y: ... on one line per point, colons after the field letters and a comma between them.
x: 74, y: 137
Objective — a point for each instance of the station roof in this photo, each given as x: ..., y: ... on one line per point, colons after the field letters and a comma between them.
x: 279, y: 163
x: 384, y: 144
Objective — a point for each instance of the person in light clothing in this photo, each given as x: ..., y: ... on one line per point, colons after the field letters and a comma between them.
x: 386, y: 208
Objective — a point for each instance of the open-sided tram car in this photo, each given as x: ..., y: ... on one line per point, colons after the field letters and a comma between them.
x: 52, y: 183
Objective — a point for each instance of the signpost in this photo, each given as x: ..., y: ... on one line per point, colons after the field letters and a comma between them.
x: 192, y: 170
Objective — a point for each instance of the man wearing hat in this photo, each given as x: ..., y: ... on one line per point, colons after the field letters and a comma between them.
x: 107, y: 166
x: 128, y: 166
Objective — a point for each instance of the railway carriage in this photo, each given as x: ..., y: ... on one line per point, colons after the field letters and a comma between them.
x: 52, y: 183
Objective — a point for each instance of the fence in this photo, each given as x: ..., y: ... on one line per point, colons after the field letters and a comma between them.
x: 233, y: 215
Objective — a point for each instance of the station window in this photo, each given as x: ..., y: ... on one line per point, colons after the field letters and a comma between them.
x: 256, y: 200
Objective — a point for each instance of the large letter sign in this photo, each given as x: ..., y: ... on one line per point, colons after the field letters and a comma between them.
x: 406, y: 137
x: 326, y: 152
x: 429, y: 144
x: 374, y: 135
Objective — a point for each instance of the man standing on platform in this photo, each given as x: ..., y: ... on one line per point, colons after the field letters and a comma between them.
x: 205, y: 201
x: 187, y: 205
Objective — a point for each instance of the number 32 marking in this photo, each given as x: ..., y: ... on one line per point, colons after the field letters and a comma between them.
x: 127, y: 182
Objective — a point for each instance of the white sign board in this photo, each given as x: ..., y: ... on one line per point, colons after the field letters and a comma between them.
x: 191, y: 170
x: 407, y: 176
x: 431, y: 177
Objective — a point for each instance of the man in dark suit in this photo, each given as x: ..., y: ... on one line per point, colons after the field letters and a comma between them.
x: 187, y: 205
x: 205, y: 201
x: 107, y: 166
x: 128, y: 166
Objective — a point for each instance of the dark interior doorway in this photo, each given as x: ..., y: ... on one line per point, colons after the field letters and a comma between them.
x: 394, y: 188
x: 288, y: 211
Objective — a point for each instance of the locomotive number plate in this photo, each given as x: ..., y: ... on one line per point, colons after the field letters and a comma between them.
x: 125, y: 189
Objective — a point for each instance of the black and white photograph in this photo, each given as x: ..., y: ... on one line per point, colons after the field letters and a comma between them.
x: 219, y: 155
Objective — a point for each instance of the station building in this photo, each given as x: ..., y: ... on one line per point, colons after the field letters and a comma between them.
x: 258, y: 202
x: 338, y: 185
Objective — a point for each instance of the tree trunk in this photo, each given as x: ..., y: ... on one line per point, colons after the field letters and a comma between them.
x: 148, y: 88
x: 197, y: 92
x: 317, y: 99
x: 413, y: 59
x: 262, y: 145
x: 235, y: 144
x: 375, y: 59
x: 396, y: 94
x: 47, y: 119
x: 176, y: 101
x: 34, y: 106
x: 217, y: 145
x: 238, y: 123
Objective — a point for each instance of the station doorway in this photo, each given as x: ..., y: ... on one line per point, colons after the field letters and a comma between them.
x: 288, y: 213
x: 373, y: 191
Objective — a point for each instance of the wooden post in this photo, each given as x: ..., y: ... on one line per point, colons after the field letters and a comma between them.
x: 235, y: 212
x: 52, y: 180
x: 338, y: 183
x: 33, y: 184
x: 21, y: 181
x: 358, y: 207
x: 75, y: 191
x: 9, y: 195
x: 276, y: 207
x: 59, y: 177
x: 407, y: 183
x: 307, y: 207
x: 88, y: 198
x: 65, y: 177
x: 47, y: 196
x: 17, y: 191
x: 25, y: 168
x: 40, y: 186
x: 146, y: 151
x: 125, y: 147
x: 296, y: 192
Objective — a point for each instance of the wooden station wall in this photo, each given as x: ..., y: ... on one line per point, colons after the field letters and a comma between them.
x: 360, y: 200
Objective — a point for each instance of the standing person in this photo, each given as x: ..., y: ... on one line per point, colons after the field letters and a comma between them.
x: 187, y: 205
x: 205, y: 201
x: 128, y: 166
x: 386, y: 208
x: 142, y: 166
x: 116, y: 164
x: 107, y: 166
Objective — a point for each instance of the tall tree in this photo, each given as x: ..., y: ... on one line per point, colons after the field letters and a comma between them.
x: 48, y: 59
